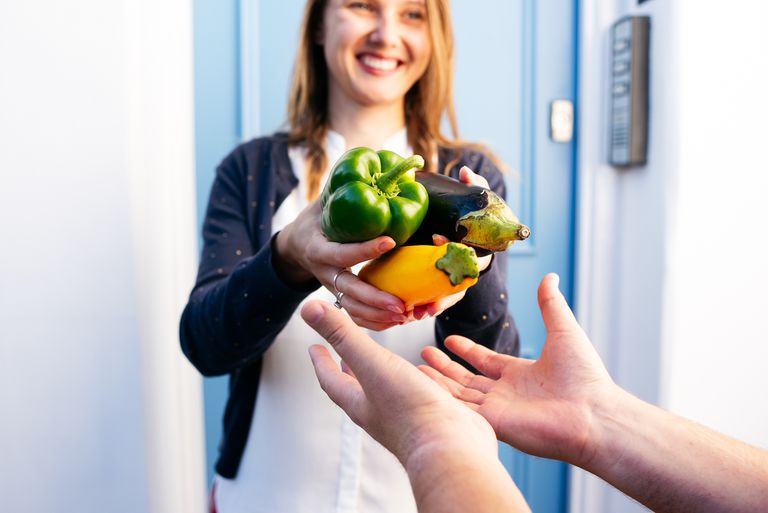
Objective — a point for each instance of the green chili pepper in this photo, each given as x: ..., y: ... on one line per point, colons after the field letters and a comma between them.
x: 372, y: 193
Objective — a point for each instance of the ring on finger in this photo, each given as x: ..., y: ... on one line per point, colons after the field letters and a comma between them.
x: 337, y: 303
x: 336, y: 277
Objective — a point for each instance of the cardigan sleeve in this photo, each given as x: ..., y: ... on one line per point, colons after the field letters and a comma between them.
x: 238, y: 304
x: 483, y: 315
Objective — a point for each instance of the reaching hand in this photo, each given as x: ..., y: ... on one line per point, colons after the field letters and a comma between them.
x: 449, y: 451
x: 386, y: 395
x: 542, y: 407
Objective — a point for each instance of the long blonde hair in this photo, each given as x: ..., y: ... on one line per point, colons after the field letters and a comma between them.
x: 426, y: 103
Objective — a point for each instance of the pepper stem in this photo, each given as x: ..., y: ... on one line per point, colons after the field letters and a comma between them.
x: 387, y: 182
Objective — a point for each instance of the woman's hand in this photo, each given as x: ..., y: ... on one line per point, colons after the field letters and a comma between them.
x: 302, y: 252
x: 469, y: 177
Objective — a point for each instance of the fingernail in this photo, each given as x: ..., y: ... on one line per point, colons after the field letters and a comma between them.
x: 386, y: 245
x: 312, y: 312
x: 395, y: 309
x: 399, y: 318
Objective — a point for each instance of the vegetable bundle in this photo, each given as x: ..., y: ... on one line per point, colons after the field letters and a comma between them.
x: 373, y: 193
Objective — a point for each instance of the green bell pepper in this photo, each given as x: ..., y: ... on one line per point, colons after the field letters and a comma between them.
x: 370, y: 193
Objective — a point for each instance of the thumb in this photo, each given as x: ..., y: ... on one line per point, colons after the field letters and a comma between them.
x: 469, y: 177
x: 354, y: 347
x: 555, y: 311
x: 439, y: 240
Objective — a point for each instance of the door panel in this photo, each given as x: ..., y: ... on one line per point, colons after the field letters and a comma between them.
x: 513, y: 57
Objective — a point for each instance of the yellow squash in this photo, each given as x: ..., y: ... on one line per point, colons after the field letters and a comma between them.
x: 423, y: 274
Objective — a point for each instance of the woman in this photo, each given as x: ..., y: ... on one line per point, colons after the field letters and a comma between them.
x: 374, y: 74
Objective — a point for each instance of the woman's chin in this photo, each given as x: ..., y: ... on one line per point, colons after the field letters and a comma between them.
x: 374, y: 98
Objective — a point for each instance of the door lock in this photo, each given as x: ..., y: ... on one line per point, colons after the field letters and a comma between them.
x: 561, y: 121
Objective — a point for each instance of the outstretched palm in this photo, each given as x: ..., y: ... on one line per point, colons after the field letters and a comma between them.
x: 543, y: 407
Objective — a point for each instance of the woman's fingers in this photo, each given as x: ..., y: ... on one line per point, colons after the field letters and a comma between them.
x: 439, y: 240
x: 333, y: 254
x: 484, y: 261
x: 467, y: 176
x: 357, y: 292
x: 329, y: 258
x: 419, y: 312
x: 437, y: 307
x: 371, y: 325
x: 359, y: 309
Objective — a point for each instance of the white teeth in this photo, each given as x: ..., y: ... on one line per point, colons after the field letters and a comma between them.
x: 380, y: 64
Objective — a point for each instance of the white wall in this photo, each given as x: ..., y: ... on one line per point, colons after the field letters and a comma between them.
x: 716, y: 349
x: 96, y: 108
x: 671, y: 264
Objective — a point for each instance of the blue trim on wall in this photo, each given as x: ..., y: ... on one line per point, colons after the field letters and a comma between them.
x: 217, y: 132
x: 528, y: 131
x: 546, y: 167
x: 575, y: 147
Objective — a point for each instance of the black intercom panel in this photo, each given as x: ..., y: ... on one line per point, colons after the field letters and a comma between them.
x: 630, y: 40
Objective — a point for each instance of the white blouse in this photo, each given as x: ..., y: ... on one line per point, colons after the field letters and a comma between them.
x: 303, y: 453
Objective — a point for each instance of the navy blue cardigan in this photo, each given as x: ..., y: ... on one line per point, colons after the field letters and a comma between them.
x: 239, y: 305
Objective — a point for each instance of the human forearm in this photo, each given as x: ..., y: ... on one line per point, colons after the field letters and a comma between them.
x: 230, y: 323
x: 454, y: 479
x: 671, y: 464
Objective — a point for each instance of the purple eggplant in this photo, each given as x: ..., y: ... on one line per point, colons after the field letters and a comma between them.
x: 469, y: 214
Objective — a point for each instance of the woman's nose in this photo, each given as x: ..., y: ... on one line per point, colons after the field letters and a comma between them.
x: 386, y: 31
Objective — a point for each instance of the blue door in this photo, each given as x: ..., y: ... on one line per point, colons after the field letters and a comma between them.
x: 514, y: 57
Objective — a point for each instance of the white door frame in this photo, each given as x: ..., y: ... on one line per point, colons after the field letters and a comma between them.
x: 161, y: 164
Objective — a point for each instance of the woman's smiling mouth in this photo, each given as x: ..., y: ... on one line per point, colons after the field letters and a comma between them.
x: 377, y: 64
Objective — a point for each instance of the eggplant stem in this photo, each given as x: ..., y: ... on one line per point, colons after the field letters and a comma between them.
x: 494, y: 227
